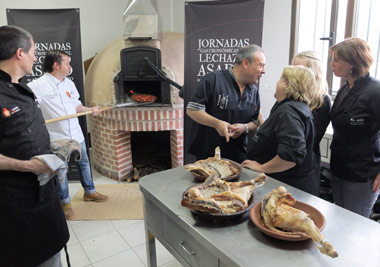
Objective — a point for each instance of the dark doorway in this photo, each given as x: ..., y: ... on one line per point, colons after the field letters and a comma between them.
x: 150, y: 152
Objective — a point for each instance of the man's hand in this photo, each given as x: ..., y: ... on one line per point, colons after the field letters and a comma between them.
x: 96, y: 110
x: 35, y: 165
x: 237, y: 129
x: 376, y: 183
x: 224, y: 129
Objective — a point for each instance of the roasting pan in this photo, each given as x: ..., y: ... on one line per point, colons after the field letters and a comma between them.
x: 144, y: 98
x: 199, y: 176
x: 226, y: 216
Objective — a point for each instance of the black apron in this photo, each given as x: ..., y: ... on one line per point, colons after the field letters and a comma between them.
x: 33, y: 227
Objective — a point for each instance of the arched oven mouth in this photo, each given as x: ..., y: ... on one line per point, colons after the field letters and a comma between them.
x: 141, y: 80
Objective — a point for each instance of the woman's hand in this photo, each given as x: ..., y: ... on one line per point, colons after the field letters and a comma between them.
x: 276, y: 164
x: 376, y: 183
x: 253, y: 165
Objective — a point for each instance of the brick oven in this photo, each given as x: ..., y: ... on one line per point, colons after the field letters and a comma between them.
x: 124, y: 67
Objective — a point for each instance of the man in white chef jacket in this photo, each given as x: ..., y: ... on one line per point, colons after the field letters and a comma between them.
x: 57, y: 97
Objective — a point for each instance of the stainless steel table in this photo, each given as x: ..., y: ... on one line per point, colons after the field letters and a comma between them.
x: 196, y: 241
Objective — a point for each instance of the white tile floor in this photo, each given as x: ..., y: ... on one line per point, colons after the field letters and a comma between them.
x: 110, y: 243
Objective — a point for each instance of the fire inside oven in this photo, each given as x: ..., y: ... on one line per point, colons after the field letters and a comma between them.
x: 141, y: 77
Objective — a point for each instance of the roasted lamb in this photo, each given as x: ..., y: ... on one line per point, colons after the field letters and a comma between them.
x: 220, y: 197
x: 213, y: 166
x: 277, y: 213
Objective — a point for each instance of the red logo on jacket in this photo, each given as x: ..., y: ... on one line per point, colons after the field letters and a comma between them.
x: 6, y: 112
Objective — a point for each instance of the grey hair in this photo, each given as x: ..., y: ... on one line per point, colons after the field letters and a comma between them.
x: 13, y: 38
x: 247, y: 52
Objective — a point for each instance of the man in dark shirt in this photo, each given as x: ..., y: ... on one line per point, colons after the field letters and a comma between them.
x: 226, y: 107
x: 33, y: 228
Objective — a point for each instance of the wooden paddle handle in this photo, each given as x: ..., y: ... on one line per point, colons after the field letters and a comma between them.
x: 76, y: 115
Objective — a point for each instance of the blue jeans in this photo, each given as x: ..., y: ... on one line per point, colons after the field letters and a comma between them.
x: 354, y: 196
x: 84, y: 169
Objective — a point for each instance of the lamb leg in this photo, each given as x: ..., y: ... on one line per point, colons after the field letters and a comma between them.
x: 296, y: 220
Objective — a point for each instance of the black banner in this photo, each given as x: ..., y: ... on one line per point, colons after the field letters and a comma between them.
x: 214, y: 32
x: 54, y: 29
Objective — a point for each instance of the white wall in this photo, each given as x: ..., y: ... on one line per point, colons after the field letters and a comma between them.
x: 102, y: 22
x: 276, y: 40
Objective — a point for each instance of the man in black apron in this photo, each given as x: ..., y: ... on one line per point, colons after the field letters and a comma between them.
x: 33, y: 228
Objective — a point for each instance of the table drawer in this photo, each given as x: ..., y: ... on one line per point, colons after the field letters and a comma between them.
x: 192, y: 251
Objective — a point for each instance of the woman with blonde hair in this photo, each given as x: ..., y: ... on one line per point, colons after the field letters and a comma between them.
x: 322, y: 108
x: 321, y: 104
x: 283, y: 146
x: 355, y: 117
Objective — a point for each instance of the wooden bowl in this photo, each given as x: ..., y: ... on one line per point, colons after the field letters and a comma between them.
x: 315, y: 215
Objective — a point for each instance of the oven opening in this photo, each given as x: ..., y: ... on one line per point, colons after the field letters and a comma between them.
x: 150, y: 153
x: 145, y: 87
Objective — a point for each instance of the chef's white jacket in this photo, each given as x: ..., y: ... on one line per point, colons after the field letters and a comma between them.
x: 58, y: 98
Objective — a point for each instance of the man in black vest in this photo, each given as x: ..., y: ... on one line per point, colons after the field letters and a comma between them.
x: 226, y: 107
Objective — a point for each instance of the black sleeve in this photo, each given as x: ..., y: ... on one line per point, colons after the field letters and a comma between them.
x: 202, y: 95
x: 290, y: 134
x: 256, y: 115
x: 374, y: 103
x: 322, y: 119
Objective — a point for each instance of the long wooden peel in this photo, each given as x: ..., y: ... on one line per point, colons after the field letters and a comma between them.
x: 89, y: 112
x: 75, y: 115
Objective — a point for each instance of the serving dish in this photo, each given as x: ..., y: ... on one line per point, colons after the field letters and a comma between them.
x: 225, y: 216
x: 315, y: 215
x: 201, y: 177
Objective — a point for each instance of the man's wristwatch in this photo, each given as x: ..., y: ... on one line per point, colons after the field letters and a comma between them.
x: 246, y: 128
x: 256, y: 122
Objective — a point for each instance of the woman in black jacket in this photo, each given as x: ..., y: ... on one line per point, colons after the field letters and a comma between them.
x: 355, y: 117
x: 283, y: 146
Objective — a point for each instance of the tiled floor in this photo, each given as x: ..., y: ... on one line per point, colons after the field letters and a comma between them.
x: 110, y: 243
